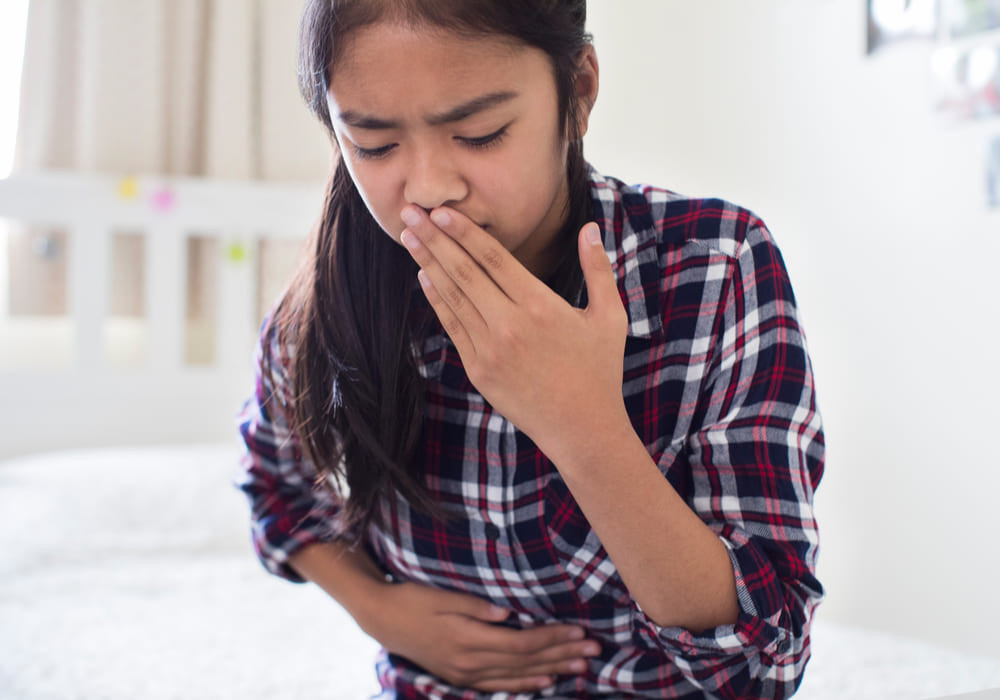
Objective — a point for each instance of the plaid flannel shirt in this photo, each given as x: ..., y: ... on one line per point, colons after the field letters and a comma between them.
x: 718, y: 384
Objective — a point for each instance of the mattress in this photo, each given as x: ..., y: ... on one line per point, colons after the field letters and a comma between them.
x: 127, y: 573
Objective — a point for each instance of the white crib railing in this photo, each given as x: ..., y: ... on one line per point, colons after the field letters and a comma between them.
x: 93, y: 402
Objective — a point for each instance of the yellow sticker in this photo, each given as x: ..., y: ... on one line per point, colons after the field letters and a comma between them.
x: 236, y: 252
x: 128, y: 187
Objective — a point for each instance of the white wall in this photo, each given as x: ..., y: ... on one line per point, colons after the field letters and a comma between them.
x: 879, y: 208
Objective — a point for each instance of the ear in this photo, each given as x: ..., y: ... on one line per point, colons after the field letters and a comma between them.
x: 586, y: 85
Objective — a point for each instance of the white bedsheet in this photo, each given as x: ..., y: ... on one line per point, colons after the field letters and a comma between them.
x: 126, y: 574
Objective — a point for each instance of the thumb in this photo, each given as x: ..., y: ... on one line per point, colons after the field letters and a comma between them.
x: 602, y: 287
x: 484, y: 610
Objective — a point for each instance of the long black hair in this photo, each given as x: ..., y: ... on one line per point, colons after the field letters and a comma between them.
x: 357, y: 395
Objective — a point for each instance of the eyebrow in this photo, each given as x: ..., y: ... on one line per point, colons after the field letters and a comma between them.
x: 456, y: 114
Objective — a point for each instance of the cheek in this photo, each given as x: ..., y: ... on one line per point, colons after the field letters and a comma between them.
x: 531, y: 182
x: 381, y: 200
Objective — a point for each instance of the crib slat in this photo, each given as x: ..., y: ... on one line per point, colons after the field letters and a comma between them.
x: 235, y: 313
x: 166, y: 278
x: 88, y: 285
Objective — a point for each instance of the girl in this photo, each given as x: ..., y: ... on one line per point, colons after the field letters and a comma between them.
x: 536, y: 430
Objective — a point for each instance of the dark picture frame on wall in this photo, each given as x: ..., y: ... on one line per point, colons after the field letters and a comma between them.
x: 891, y: 21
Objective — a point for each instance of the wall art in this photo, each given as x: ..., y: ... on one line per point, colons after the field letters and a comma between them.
x: 890, y: 21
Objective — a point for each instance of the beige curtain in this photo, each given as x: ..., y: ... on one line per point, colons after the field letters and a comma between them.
x: 190, y: 87
x: 176, y: 87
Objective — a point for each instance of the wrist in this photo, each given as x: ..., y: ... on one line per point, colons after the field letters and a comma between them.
x: 371, y: 609
x: 348, y: 575
x: 596, y: 448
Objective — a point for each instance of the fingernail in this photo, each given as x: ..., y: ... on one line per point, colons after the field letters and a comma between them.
x: 576, y: 633
x: 577, y: 666
x: 409, y: 240
x: 591, y: 650
x: 440, y: 217
x: 410, y: 216
x: 424, y: 280
x: 594, y: 234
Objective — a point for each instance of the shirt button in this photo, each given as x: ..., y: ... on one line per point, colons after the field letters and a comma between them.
x: 783, y: 646
x: 492, y: 532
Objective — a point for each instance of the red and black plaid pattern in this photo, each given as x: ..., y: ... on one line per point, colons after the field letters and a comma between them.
x: 718, y: 384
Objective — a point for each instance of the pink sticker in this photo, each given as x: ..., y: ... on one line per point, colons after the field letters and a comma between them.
x: 163, y: 199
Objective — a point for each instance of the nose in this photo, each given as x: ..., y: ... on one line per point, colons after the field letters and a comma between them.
x: 434, y: 180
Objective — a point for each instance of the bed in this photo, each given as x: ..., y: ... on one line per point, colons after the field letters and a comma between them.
x: 127, y: 573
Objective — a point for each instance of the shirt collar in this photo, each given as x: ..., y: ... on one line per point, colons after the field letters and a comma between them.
x: 630, y: 242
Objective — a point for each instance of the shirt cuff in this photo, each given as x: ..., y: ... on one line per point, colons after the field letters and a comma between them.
x: 275, y: 544
x: 757, y: 628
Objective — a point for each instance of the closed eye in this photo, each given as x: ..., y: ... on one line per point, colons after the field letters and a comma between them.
x: 485, y: 141
x: 472, y: 142
x: 372, y: 153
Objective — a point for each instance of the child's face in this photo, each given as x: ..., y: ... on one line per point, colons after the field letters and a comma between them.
x: 430, y: 118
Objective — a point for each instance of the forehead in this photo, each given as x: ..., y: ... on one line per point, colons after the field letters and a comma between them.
x: 388, y: 67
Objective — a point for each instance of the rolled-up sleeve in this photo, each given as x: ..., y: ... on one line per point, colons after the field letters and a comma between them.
x: 756, y: 454
x: 289, y: 507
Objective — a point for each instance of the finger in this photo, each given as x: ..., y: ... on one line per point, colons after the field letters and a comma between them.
x: 566, y: 667
x: 515, y: 670
x: 564, y: 658
x: 602, y: 286
x: 493, y: 639
x: 459, y: 265
x: 461, y: 306
x: 451, y: 323
x: 471, y: 606
x: 503, y: 268
x: 514, y: 685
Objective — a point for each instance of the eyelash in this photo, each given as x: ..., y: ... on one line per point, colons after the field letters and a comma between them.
x: 478, y: 143
x: 372, y: 153
x: 486, y: 141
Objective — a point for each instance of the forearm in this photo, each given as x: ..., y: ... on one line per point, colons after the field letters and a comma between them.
x: 348, y: 575
x: 673, y: 565
x: 453, y: 636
